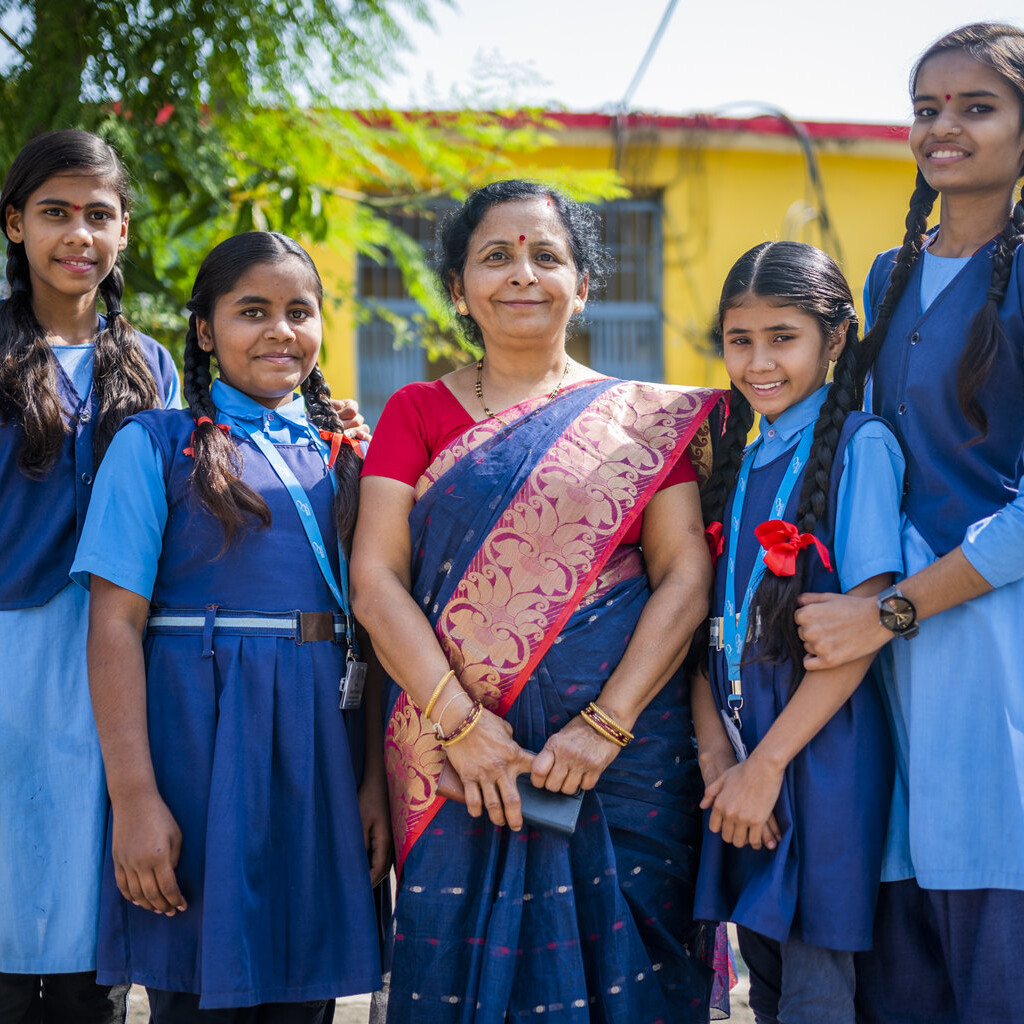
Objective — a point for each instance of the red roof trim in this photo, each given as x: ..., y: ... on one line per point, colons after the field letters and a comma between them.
x: 761, y: 125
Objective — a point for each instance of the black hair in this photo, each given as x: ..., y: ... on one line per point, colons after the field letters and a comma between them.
x: 216, y: 475
x: 581, y: 224
x: 122, y: 378
x: 790, y: 274
x: 1000, y: 47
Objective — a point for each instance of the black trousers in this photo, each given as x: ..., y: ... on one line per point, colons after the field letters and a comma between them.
x: 60, y: 999
x: 183, y: 1008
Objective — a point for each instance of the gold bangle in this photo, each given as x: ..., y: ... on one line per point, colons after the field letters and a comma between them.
x: 603, y: 723
x: 602, y: 731
x: 437, y: 692
x: 464, y: 728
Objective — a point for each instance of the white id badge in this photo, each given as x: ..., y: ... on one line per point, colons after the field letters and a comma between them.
x: 352, y: 683
x: 734, y: 736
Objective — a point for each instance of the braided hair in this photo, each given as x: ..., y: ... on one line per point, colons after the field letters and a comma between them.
x: 216, y: 473
x: 122, y: 378
x: 799, y: 275
x: 1000, y: 47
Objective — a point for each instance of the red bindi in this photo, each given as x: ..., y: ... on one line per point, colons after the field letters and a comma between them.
x: 75, y: 206
x: 948, y: 97
x: 522, y: 238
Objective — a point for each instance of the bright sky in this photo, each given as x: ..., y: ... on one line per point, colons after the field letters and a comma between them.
x: 820, y: 60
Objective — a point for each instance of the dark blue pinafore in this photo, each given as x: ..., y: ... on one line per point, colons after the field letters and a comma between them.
x: 252, y: 757
x: 43, y: 517
x: 821, y: 883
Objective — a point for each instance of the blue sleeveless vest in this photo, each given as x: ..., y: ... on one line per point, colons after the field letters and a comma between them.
x: 42, y: 519
x: 820, y: 884
x: 253, y: 758
x: 950, y: 482
x: 268, y: 569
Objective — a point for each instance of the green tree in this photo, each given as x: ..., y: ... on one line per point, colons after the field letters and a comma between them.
x: 237, y: 114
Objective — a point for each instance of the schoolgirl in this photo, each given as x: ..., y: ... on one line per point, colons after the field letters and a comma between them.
x: 238, y: 873
x: 68, y: 376
x: 797, y: 766
x: 948, y: 352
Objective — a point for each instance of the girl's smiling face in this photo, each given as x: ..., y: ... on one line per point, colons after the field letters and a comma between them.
x: 73, y: 227
x: 968, y: 130
x: 520, y: 282
x: 776, y: 355
x: 266, y: 331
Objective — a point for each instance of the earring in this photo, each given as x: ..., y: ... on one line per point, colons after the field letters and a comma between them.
x: 577, y: 305
x: 461, y: 308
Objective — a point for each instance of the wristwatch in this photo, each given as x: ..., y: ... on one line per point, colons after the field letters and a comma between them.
x: 897, y: 613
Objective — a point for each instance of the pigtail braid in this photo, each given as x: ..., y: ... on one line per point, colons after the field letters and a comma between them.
x: 728, y: 457
x: 216, y: 474
x: 123, y: 380
x: 921, y: 202
x: 776, y: 598
x: 28, y: 374
x: 986, y: 331
x: 321, y: 413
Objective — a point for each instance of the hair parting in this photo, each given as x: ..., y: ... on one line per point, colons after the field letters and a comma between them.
x: 1001, y: 48
x: 123, y: 381
x: 790, y: 274
x: 581, y: 224
x: 216, y: 474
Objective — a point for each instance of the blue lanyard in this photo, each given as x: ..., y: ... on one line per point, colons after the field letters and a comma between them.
x: 306, y: 516
x: 734, y: 626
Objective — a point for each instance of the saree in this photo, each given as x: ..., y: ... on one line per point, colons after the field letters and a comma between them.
x: 517, y: 564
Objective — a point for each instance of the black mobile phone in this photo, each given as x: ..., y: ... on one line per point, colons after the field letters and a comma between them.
x: 541, y: 807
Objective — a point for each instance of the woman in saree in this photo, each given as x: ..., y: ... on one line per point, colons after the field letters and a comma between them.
x: 530, y: 564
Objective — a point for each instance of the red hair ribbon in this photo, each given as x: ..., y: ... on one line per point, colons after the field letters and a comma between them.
x: 782, y: 542
x: 337, y: 439
x: 190, y: 450
x: 715, y: 536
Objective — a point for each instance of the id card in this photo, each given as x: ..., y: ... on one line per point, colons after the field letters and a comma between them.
x: 351, y: 688
x: 734, y: 735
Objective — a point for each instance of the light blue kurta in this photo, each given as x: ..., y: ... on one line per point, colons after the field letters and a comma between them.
x: 53, y: 804
x: 957, y: 697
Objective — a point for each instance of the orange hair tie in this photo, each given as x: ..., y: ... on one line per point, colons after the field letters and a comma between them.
x: 190, y: 451
x: 337, y: 439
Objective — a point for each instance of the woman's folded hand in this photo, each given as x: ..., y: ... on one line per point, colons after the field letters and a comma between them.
x: 488, y: 761
x: 573, y: 758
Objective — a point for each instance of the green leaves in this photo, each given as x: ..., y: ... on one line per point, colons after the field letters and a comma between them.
x: 236, y: 114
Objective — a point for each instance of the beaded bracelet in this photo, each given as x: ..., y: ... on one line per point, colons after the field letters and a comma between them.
x: 447, y: 704
x: 605, y: 725
x: 463, y: 729
x: 437, y: 692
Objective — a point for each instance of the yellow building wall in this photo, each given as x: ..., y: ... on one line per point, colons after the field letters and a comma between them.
x: 721, y: 193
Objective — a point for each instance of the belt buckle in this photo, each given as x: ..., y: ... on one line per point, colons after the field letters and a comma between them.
x: 299, y: 617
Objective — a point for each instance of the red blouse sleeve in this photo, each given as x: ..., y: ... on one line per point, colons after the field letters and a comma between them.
x: 682, y: 472
x: 416, y: 423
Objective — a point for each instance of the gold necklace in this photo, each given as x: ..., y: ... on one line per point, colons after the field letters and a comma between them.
x: 479, y: 388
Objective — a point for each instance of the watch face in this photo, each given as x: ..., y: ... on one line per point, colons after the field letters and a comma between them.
x: 898, y: 613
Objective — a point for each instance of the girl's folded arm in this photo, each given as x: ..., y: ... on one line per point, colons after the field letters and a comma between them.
x: 743, y: 797
x: 714, y: 751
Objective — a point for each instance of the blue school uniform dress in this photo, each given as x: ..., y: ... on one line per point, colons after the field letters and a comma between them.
x: 250, y: 750
x: 819, y: 885
x: 956, y: 691
x: 53, y: 799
